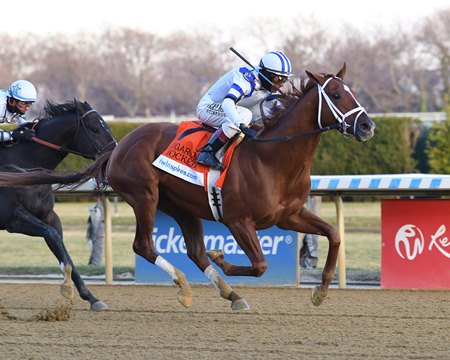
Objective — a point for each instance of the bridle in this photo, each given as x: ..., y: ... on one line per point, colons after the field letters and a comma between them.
x: 338, y: 115
x: 341, y: 124
x: 80, y: 125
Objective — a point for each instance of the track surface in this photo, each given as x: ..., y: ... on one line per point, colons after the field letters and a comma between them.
x: 146, y: 322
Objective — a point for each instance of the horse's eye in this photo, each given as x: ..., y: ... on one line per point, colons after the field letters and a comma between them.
x: 336, y: 96
x: 94, y: 129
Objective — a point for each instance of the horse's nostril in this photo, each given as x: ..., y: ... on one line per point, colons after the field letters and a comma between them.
x: 367, y: 126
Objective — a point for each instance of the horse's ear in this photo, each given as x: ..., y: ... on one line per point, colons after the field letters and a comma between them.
x: 341, y: 73
x: 77, y: 105
x: 312, y: 77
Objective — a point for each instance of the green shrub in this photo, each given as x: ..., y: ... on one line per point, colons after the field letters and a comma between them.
x: 390, y: 151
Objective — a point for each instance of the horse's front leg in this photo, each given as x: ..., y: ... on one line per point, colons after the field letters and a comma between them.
x: 305, y: 221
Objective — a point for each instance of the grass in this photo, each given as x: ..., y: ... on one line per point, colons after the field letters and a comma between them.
x: 21, y: 254
x: 362, y: 222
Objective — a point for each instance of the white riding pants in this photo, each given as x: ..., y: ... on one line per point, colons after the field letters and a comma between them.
x: 213, y: 115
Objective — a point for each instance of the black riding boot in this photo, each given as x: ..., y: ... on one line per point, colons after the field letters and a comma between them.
x: 208, y: 154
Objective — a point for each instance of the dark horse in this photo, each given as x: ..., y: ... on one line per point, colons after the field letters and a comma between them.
x: 72, y: 127
x: 267, y: 184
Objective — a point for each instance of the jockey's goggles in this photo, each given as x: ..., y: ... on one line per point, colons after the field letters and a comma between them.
x: 24, y: 103
x: 279, y: 79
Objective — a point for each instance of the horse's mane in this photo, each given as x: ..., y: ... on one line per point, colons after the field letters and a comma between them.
x: 52, y: 110
x: 290, y: 98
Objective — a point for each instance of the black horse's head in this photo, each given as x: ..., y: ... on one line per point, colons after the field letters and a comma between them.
x: 76, y: 128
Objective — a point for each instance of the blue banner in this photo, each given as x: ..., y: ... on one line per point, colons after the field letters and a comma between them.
x: 279, y: 247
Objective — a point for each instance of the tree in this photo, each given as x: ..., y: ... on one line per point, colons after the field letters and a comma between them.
x: 434, y: 36
x: 66, y: 66
x: 189, y: 64
x: 128, y: 74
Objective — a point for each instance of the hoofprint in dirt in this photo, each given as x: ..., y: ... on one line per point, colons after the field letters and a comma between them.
x: 146, y: 321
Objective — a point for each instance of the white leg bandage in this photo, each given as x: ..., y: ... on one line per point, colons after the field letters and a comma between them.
x: 222, y: 287
x: 164, y: 265
x: 212, y: 276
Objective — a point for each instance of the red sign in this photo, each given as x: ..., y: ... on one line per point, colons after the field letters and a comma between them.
x: 415, y: 250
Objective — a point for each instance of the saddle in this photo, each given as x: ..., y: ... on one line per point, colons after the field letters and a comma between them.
x: 180, y: 160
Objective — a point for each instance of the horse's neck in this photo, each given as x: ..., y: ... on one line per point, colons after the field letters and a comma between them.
x: 300, y: 120
x: 35, y: 155
x: 292, y: 159
x: 56, y: 132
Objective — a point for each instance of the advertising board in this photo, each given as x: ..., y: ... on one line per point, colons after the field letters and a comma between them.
x: 280, y: 249
x: 415, y: 244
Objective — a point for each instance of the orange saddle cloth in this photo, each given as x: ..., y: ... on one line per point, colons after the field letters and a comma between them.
x: 180, y: 157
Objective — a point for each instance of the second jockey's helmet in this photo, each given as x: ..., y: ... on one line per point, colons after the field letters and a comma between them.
x: 22, y: 90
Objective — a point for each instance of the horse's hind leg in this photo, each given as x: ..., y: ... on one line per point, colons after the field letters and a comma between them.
x: 51, y: 230
x: 144, y: 206
x: 192, y: 230
x: 70, y: 272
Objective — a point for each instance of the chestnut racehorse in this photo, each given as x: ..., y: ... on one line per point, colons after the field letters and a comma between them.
x: 268, y: 183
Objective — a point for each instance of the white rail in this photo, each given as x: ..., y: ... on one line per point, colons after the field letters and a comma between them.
x: 335, y: 186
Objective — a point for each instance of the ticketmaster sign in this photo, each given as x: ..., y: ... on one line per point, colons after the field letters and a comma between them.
x: 279, y: 248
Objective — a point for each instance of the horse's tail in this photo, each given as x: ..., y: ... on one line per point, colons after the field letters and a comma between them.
x: 26, y: 177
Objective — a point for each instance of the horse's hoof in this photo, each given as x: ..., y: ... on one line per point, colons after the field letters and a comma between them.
x: 185, y: 300
x: 67, y: 291
x: 316, y: 296
x: 240, y: 304
x: 214, y: 254
x: 99, y: 306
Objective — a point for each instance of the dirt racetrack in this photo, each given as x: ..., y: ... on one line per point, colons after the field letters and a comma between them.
x: 146, y: 322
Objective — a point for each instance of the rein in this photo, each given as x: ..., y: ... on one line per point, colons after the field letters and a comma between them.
x: 67, y: 150
x: 56, y: 147
x: 296, y: 136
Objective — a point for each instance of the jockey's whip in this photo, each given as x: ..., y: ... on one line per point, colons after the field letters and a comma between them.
x: 257, y: 70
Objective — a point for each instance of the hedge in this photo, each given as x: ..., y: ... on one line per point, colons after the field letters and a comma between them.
x: 390, y: 151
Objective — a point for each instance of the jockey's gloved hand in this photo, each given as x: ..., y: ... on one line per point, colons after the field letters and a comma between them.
x: 249, y: 132
x: 23, y: 133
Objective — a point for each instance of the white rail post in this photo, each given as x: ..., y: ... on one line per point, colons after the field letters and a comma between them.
x: 341, y: 255
x: 108, y: 241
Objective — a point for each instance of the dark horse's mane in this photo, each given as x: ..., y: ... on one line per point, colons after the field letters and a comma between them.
x: 52, y: 110
x: 289, y: 99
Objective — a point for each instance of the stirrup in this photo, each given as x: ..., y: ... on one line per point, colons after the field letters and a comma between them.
x: 208, y: 159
